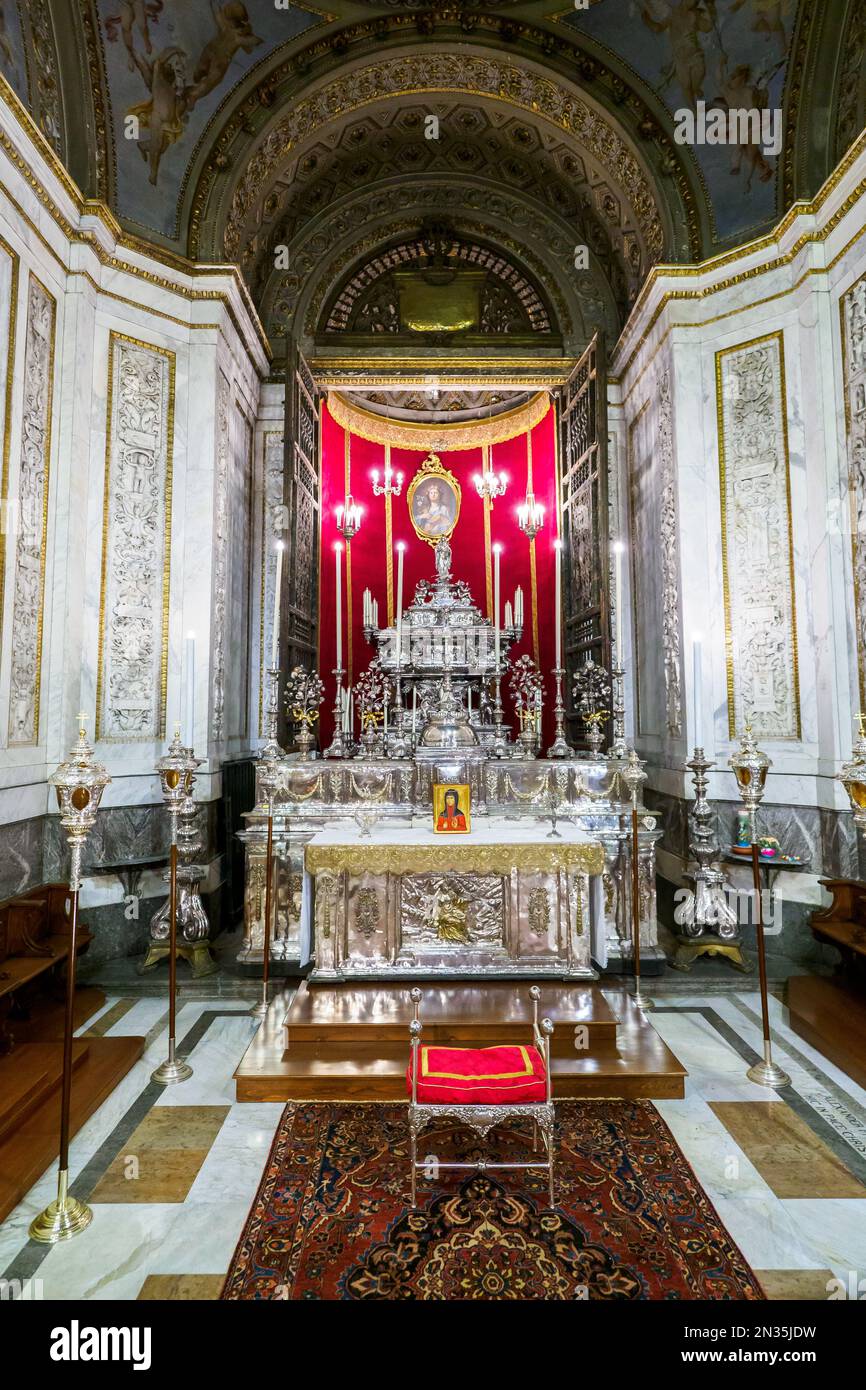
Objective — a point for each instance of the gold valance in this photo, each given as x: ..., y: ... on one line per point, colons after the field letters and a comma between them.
x: 448, y: 857
x: 466, y: 434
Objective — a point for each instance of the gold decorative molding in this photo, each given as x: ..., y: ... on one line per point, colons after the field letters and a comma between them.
x: 15, y: 267
x: 366, y: 424
x: 465, y: 857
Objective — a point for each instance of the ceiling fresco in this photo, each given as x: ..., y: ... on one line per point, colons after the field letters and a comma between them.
x: 726, y: 53
x: 170, y: 65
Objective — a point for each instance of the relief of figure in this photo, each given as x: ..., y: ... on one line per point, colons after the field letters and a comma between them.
x: 172, y: 97
x: 684, y: 21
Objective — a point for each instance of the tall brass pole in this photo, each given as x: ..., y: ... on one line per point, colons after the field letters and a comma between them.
x: 176, y: 778
x: 750, y: 768
x: 79, y: 784
x: 634, y: 777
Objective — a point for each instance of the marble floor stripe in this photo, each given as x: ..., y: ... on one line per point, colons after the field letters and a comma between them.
x: 108, y: 1018
x: 790, y: 1158
x: 846, y: 1154
x: 164, y: 1155
x: 183, y: 1287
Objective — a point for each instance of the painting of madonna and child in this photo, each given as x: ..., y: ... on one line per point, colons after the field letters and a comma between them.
x: 451, y: 809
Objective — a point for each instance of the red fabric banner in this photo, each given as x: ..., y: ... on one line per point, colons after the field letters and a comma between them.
x: 367, y: 552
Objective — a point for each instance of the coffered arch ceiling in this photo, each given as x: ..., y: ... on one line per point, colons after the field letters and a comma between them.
x: 226, y: 91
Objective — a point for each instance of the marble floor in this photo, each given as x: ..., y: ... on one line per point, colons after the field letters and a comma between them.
x: 171, y: 1174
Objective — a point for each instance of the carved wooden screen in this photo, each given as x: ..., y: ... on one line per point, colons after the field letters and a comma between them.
x: 300, y: 594
x: 583, y: 492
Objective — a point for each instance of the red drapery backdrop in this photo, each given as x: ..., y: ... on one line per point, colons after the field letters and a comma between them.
x: 367, y: 553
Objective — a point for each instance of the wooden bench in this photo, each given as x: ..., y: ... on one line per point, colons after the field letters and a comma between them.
x: 34, y: 944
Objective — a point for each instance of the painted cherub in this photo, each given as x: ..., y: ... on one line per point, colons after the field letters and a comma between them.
x: 742, y: 91
x: 770, y: 17
x: 684, y: 21
x: 134, y: 15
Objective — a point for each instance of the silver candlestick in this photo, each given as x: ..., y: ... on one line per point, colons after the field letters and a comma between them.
x: 337, y: 747
x: 559, y: 748
x: 709, y: 922
x: 271, y: 748
x: 500, y: 747
x: 618, y: 749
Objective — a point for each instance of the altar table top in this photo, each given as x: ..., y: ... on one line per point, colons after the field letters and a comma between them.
x: 492, y: 846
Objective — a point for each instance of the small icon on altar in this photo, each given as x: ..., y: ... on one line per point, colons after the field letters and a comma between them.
x: 451, y: 809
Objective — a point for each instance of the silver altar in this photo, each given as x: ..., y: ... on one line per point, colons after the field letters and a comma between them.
x: 440, y: 662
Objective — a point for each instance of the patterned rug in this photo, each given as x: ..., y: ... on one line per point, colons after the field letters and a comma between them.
x: 331, y: 1219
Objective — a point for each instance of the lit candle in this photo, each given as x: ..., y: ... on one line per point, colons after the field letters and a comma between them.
x: 617, y: 593
x: 189, y: 731
x: 278, y: 598
x: 557, y: 545
x: 699, y: 694
x: 400, y: 549
x: 338, y: 556
x: 497, y: 551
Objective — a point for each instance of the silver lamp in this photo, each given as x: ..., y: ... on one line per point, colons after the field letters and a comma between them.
x: 78, y: 784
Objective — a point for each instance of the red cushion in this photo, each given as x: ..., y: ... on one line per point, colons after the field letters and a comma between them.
x: 480, y: 1075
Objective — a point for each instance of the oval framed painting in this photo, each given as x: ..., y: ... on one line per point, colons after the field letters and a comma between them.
x: 433, y: 500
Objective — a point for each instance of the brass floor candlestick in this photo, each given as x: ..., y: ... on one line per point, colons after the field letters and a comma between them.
x: 750, y: 768
x: 634, y: 777
x: 175, y: 771
x: 79, y: 784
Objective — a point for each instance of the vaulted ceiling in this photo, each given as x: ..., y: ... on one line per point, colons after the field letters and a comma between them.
x: 301, y: 140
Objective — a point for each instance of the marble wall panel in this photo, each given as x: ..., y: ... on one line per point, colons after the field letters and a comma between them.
x: 28, y: 550
x: 853, y: 314
x: 757, y: 540
x: 133, y: 618
x: 273, y: 530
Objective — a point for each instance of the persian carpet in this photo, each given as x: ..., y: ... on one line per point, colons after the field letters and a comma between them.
x: 331, y: 1219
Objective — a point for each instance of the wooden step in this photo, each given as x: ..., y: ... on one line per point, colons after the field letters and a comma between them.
x: 28, y: 1150
x: 477, y: 1015
x: 28, y: 1076
x: 336, y: 1067
x: 832, y: 1018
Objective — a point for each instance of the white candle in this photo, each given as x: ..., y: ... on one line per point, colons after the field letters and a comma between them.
x: 338, y: 556
x: 617, y: 598
x: 558, y: 548
x: 278, y: 598
x: 509, y: 617
x: 497, y: 549
x: 189, y: 693
x: 400, y: 549
x: 699, y: 694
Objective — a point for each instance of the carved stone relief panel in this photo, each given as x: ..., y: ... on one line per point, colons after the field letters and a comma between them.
x: 853, y: 311
x: 240, y: 497
x: 133, y: 622
x: 757, y: 541
x: 28, y: 547
x: 273, y: 530
x: 220, y: 556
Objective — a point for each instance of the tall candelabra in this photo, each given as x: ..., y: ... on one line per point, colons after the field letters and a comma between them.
x: 337, y: 746
x: 500, y: 746
x: 634, y: 777
x: 708, y: 921
x: 268, y: 780
x: 176, y: 771
x: 78, y: 784
x: 559, y: 747
x: 750, y: 767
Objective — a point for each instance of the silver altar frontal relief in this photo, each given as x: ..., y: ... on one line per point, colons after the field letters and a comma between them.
x: 505, y: 900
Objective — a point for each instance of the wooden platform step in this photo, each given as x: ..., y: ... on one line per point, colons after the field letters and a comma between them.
x: 832, y: 1018
x: 27, y: 1078
x: 627, y: 1060
x: 480, y: 1015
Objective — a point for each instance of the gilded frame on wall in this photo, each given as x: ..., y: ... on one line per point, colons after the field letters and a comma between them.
x: 433, y: 518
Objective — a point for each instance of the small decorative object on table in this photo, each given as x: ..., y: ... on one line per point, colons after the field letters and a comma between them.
x: 371, y: 691
x: 526, y: 690
x: 304, y: 693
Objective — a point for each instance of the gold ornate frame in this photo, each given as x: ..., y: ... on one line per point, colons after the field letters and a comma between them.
x: 431, y: 469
